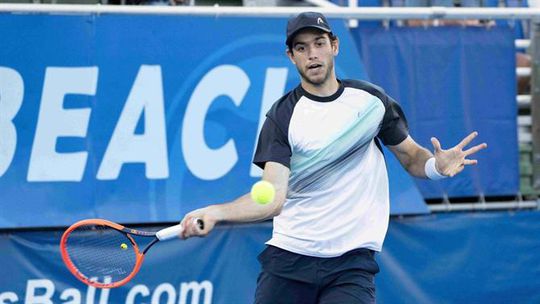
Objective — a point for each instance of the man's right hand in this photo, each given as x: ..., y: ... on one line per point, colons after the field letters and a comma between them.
x: 191, y: 228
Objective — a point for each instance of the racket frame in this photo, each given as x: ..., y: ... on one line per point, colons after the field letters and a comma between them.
x: 127, y: 231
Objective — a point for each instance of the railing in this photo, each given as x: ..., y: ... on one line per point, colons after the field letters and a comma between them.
x: 363, y: 13
x: 483, y: 206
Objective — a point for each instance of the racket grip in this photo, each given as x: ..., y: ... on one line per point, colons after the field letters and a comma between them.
x: 174, y: 231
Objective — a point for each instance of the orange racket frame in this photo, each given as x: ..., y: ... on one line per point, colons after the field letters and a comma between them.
x: 139, y: 255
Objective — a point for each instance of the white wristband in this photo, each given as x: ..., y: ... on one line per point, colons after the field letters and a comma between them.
x: 431, y: 170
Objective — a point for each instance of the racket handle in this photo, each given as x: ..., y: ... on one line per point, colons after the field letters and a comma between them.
x: 173, y: 231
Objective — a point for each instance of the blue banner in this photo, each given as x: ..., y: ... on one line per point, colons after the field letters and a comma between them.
x: 490, y: 257
x: 444, y: 258
x: 451, y: 81
x: 135, y: 125
x: 139, y: 118
x: 221, y: 268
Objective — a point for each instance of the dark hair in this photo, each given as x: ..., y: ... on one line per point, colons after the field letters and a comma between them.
x: 330, y: 35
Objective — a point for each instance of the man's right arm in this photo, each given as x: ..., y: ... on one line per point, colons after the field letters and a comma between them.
x: 243, y: 209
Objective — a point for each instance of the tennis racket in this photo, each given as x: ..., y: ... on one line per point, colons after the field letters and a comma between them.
x: 104, y: 254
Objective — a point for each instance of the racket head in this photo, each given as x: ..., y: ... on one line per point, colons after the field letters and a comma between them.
x: 95, y: 252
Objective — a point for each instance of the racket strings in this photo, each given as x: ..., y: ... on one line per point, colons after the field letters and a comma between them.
x: 101, y: 253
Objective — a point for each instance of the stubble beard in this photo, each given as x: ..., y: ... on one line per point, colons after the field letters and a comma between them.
x: 315, y: 82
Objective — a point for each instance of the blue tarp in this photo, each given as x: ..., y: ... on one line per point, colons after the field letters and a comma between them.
x: 443, y: 258
x: 462, y: 258
x: 451, y: 81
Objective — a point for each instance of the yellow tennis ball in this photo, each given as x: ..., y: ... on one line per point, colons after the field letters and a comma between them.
x: 123, y: 246
x: 263, y: 192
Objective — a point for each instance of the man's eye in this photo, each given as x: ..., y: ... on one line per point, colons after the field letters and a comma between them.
x: 300, y: 48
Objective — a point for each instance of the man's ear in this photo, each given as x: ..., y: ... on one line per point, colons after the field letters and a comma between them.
x: 335, y: 46
x: 290, y: 55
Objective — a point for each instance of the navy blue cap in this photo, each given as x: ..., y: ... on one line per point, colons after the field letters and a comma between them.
x: 306, y: 20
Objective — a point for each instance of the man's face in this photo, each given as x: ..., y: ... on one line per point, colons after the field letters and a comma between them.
x: 313, y: 54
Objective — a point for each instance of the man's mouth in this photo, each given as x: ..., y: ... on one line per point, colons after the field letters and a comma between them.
x: 314, y: 66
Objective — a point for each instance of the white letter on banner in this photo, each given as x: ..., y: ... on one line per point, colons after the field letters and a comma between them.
x: 104, y: 295
x: 146, y: 97
x: 11, y: 97
x: 204, y: 162
x: 91, y: 293
x: 274, y: 87
x: 137, y: 289
x: 196, y: 288
x: 8, y: 296
x: 54, y: 121
x: 72, y: 294
x: 32, y: 298
x: 164, y: 288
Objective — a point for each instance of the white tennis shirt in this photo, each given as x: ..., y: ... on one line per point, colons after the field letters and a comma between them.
x: 338, y: 196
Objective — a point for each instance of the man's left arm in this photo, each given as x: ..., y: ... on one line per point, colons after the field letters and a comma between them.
x: 414, y: 158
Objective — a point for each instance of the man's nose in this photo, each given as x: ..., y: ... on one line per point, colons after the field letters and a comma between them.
x: 312, y: 54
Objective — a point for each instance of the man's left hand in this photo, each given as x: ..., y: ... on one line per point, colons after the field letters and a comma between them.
x: 452, y: 161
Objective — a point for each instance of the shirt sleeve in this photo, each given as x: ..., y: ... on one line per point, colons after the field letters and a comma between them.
x: 394, y: 128
x: 273, y: 145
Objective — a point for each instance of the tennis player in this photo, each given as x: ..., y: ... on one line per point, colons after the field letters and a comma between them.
x: 320, y: 147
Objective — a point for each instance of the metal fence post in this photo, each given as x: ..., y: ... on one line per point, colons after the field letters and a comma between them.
x: 535, y: 100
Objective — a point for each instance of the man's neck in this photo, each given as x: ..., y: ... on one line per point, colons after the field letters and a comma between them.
x: 326, y: 89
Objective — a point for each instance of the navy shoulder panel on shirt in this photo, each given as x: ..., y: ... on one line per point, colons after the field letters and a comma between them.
x: 273, y: 143
x: 394, y: 128
x: 368, y: 87
x: 281, y: 111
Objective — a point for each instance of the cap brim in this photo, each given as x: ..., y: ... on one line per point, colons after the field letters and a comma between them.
x: 291, y: 36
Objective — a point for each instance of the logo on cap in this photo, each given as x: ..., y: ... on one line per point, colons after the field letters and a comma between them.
x: 319, y: 20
